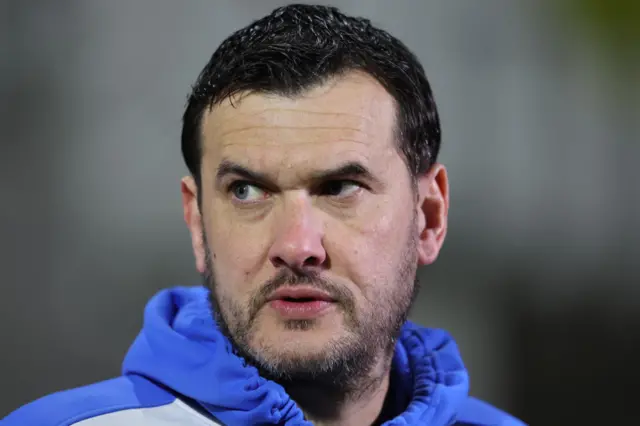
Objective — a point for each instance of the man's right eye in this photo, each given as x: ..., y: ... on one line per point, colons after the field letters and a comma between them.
x: 246, y: 192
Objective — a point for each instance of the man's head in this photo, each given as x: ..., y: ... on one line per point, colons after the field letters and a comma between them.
x: 311, y: 138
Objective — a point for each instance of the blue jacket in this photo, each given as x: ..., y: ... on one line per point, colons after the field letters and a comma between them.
x: 182, y: 370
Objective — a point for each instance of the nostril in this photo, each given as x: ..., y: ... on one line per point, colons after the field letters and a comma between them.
x: 277, y: 261
x: 311, y: 261
x: 295, y: 263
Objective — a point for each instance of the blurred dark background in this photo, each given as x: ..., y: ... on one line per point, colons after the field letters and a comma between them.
x: 540, y: 104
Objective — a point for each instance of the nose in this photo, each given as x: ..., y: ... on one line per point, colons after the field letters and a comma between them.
x: 298, y: 240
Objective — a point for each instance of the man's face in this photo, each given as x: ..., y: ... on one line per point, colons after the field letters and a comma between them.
x: 310, y: 229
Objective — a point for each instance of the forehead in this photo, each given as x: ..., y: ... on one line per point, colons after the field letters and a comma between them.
x: 348, y: 118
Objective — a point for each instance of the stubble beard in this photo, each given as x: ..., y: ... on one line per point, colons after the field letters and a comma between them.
x: 343, y: 368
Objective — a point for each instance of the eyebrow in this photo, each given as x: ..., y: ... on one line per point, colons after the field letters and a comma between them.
x: 352, y: 169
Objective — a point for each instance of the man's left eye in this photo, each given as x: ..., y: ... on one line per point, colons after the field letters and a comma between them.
x: 341, y: 188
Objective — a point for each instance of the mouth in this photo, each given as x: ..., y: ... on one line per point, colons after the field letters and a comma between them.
x: 300, y: 303
x: 300, y: 294
x: 299, y: 299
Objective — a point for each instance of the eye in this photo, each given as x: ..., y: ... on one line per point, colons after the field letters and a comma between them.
x: 341, y: 188
x: 246, y: 192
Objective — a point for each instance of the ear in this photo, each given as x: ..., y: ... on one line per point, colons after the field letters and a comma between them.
x: 193, y: 219
x: 433, y: 210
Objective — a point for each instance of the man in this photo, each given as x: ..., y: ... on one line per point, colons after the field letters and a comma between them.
x: 314, y: 194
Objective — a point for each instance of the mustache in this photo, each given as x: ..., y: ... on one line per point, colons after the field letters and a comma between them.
x: 291, y: 278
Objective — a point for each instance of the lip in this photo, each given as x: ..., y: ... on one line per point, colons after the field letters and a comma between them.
x: 300, y: 293
x: 288, y: 309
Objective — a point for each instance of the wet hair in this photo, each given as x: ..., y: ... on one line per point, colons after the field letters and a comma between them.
x: 298, y: 47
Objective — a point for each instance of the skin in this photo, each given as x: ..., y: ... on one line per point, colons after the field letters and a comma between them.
x: 361, y: 237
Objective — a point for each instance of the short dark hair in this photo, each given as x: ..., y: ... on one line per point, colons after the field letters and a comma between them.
x: 298, y: 47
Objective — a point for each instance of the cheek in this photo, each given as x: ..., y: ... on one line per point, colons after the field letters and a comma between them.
x: 239, y: 255
x: 385, y: 227
x: 372, y: 248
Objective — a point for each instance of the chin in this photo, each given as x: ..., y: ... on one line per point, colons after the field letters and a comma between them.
x: 302, y: 338
x: 294, y: 360
x: 323, y: 350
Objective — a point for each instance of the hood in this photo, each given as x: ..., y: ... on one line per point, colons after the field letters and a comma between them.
x: 181, y: 347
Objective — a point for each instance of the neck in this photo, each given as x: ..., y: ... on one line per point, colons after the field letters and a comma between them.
x: 361, y: 404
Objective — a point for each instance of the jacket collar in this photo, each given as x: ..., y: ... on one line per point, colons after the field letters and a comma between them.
x: 181, y: 347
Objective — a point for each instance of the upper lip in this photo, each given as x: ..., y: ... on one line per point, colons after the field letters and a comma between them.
x: 300, y: 293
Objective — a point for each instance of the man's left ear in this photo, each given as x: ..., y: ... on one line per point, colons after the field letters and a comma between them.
x: 433, y: 210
